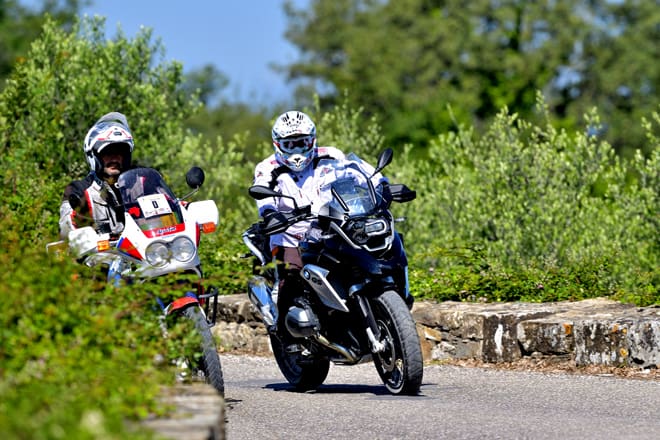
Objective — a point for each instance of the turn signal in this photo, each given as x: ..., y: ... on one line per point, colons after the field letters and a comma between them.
x: 207, y: 227
x: 103, y: 245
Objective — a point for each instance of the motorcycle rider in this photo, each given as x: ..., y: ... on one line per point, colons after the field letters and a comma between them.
x: 292, y: 170
x: 95, y: 200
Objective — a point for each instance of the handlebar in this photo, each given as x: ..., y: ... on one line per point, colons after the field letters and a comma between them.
x: 279, y: 221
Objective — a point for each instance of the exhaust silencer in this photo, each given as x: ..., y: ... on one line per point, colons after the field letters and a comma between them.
x: 261, y: 296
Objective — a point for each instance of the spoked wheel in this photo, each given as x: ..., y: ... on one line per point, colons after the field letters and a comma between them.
x: 209, y: 364
x: 400, y: 366
x: 303, y: 372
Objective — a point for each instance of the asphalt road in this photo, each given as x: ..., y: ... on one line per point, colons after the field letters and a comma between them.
x: 455, y: 403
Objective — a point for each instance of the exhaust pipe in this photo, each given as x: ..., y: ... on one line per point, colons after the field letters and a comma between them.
x: 345, y: 352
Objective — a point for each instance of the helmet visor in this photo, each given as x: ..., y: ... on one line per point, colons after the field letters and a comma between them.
x: 296, y: 145
x: 114, y: 148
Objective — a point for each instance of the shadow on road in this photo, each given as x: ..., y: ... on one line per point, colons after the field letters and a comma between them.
x: 376, y: 390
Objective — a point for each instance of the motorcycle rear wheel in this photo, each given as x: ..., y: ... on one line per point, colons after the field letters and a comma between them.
x: 210, y: 362
x: 303, y: 373
x: 400, y: 366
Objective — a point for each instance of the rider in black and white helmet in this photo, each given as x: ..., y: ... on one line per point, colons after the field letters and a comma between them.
x: 292, y: 170
x: 108, y: 148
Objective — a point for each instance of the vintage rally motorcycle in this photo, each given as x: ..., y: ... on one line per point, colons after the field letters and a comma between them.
x: 159, y: 244
x: 353, y: 301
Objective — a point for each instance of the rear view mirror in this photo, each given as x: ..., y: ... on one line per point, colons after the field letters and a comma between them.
x: 195, y: 177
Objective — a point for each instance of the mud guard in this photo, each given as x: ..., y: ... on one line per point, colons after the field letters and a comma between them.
x: 182, y: 302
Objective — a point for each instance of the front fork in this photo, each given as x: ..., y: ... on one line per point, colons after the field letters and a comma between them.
x: 372, y: 330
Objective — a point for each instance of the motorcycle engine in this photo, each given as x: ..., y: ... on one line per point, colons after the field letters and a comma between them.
x: 301, y: 322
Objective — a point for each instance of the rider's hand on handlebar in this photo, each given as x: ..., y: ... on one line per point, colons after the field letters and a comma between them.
x: 272, y: 217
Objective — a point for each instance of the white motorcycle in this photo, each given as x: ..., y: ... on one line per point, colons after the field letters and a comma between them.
x: 159, y: 243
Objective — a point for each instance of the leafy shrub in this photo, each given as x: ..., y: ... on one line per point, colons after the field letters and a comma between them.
x: 76, y: 358
x: 67, y: 82
x: 543, y: 207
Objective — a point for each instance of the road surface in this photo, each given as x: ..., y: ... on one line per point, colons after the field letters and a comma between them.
x: 454, y: 403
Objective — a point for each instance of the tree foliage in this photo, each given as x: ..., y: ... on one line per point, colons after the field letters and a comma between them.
x: 408, y: 60
x: 20, y: 25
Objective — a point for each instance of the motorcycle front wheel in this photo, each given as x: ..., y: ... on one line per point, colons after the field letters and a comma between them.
x: 303, y: 372
x: 209, y: 363
x: 400, y: 366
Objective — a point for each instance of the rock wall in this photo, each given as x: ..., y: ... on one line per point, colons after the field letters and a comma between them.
x: 590, y: 332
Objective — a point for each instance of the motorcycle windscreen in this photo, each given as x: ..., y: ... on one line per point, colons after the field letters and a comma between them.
x: 150, y: 202
x: 355, y: 195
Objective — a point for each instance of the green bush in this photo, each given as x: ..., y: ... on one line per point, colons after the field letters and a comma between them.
x: 523, y: 213
x: 528, y: 206
x: 77, y: 359
x: 67, y: 82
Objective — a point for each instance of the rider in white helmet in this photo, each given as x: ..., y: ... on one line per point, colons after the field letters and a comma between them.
x: 292, y: 171
x: 95, y: 200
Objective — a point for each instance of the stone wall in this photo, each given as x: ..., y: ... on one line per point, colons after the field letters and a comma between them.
x: 590, y: 332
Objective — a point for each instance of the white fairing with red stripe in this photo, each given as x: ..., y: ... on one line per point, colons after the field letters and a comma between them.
x: 161, y: 233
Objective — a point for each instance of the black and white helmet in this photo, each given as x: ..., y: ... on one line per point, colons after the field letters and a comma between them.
x: 294, y: 140
x: 111, y: 129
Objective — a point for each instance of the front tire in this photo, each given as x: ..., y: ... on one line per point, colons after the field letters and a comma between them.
x: 400, y: 366
x: 305, y: 373
x: 210, y: 361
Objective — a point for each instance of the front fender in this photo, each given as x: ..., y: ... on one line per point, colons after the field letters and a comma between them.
x: 182, y: 302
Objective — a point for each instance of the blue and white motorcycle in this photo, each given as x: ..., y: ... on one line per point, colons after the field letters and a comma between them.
x: 353, y: 301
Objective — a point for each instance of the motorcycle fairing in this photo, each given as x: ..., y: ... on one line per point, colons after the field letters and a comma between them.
x: 155, y: 214
x: 330, y: 295
x: 125, y: 245
x: 396, y: 265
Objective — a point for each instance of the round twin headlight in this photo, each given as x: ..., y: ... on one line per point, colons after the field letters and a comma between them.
x: 157, y: 254
x: 181, y: 249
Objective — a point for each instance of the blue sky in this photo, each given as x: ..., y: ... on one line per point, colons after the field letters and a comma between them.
x: 241, y: 38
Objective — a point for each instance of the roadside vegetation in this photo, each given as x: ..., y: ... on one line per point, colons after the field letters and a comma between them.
x: 524, y: 205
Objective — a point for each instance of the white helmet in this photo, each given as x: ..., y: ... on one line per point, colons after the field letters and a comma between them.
x: 294, y: 139
x: 111, y: 129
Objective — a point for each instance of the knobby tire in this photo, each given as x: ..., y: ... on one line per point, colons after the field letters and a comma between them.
x: 211, y: 360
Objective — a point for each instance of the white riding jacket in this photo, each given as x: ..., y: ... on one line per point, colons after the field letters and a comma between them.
x: 304, y: 186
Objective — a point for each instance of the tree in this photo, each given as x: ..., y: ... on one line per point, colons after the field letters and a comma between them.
x: 20, y: 25
x: 616, y: 70
x: 408, y: 61
x: 206, y: 83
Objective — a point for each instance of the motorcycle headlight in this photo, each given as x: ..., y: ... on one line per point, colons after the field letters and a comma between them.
x: 375, y: 227
x: 182, y: 249
x: 356, y: 232
x: 371, y: 233
x: 157, y: 254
